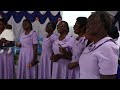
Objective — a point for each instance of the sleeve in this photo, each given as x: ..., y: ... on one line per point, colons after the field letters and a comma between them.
x: 71, y: 42
x: 35, y: 38
x: 12, y: 36
x: 83, y: 45
x: 108, y: 60
x: 8, y: 35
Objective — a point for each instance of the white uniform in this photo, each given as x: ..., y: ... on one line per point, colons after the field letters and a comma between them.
x: 8, y: 35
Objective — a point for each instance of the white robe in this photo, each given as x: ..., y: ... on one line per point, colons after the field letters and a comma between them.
x: 8, y: 35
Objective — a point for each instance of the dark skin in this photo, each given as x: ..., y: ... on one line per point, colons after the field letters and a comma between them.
x: 49, y: 30
x: 34, y: 56
x: 3, y: 40
x: 49, y: 34
x: 73, y: 65
x: 95, y: 25
x: 96, y: 30
x: 2, y: 27
x: 26, y: 27
x: 62, y: 29
x: 7, y: 43
x: 18, y: 44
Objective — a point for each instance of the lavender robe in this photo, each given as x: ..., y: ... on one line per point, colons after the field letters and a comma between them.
x: 26, y: 56
x: 77, y: 49
x: 44, y: 71
x: 60, y: 68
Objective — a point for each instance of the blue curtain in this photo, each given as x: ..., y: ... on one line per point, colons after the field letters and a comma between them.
x: 31, y: 16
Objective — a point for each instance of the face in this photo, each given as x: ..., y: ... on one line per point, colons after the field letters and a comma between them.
x: 49, y: 28
x: 77, y: 28
x: 62, y: 27
x: 26, y: 25
x: 94, y: 27
x: 2, y: 26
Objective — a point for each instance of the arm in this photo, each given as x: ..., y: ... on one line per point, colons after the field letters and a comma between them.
x: 66, y: 54
x: 35, y: 46
x: 51, y: 58
x: 34, y: 61
x: 35, y: 51
x: 56, y: 57
x: 0, y: 42
x: 10, y: 44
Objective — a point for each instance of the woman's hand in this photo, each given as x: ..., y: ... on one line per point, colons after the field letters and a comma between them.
x: 3, y: 40
x: 62, y: 49
x: 32, y: 63
x: 18, y: 44
x: 72, y: 65
x: 56, y: 57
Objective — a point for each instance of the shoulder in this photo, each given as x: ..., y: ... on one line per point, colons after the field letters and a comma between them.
x: 109, y: 45
x: 34, y: 33
x: 54, y: 37
x: 73, y: 39
x: 109, y: 48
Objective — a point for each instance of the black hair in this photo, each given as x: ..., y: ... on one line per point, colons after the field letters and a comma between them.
x: 8, y: 26
x: 82, y: 21
x: 53, y: 25
x: 105, y: 18
x: 66, y: 25
x: 113, y: 33
x: 26, y: 20
x: 3, y: 21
